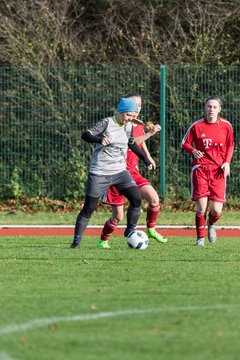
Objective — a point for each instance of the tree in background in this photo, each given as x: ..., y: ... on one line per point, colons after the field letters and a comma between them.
x: 73, y: 32
x: 48, y: 94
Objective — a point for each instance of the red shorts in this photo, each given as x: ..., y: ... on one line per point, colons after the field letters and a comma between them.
x: 208, y: 181
x: 112, y: 197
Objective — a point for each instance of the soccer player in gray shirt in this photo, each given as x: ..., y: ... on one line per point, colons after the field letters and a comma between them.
x: 108, y: 166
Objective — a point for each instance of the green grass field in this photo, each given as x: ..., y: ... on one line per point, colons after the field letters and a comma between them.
x: 171, y: 301
x: 166, y: 217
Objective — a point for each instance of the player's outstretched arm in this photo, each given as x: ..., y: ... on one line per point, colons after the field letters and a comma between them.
x: 152, y: 130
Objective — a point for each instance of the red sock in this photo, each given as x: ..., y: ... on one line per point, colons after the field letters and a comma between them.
x: 200, y: 221
x: 108, y: 229
x: 213, y: 218
x: 152, y: 214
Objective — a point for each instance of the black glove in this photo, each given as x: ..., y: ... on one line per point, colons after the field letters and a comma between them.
x: 87, y: 136
x: 139, y: 152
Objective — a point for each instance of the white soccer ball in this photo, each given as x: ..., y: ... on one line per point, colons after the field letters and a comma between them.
x: 137, y: 239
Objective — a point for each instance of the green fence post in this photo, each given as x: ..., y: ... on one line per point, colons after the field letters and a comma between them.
x: 162, y: 132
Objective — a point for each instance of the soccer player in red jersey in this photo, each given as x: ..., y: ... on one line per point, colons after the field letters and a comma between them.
x: 148, y: 193
x: 211, y: 142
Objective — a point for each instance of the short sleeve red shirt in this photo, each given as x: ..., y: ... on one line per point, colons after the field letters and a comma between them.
x: 215, y: 140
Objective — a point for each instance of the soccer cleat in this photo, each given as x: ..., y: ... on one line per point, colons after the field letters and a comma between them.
x: 200, y: 242
x: 129, y: 229
x: 212, y: 235
x: 75, y: 244
x: 153, y: 234
x: 103, y: 244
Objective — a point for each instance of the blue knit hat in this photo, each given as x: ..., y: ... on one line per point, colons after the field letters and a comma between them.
x: 127, y: 105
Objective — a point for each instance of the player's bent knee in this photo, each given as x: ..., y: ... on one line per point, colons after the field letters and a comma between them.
x: 117, y: 214
x: 117, y: 218
x: 133, y: 195
x: 136, y: 202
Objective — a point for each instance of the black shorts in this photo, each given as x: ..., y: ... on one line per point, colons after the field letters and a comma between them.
x: 98, y: 184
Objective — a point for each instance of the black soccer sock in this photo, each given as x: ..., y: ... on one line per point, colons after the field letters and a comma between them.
x: 133, y: 214
x: 80, y: 226
x: 84, y: 216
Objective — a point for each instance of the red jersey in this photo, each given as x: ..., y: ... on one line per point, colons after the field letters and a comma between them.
x: 132, y: 158
x: 215, y: 140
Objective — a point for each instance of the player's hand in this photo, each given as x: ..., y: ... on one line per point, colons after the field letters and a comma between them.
x: 198, y: 154
x: 155, y: 129
x: 105, y: 141
x: 153, y: 164
x: 151, y: 128
x: 226, y: 169
x: 150, y: 167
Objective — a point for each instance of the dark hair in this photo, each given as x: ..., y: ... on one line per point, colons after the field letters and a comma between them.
x: 131, y: 94
x: 217, y: 98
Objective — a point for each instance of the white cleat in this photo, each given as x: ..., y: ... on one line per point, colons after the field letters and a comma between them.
x: 200, y: 242
x: 212, y: 235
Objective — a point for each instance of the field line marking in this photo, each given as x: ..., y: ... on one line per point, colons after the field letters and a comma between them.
x: 5, y: 356
x: 27, y: 226
x: 36, y: 323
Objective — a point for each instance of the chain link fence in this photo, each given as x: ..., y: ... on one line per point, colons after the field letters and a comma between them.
x: 43, y: 112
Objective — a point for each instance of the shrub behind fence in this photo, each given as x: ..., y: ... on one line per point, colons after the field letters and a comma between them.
x: 43, y: 112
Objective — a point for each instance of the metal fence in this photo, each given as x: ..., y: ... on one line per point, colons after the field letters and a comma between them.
x: 187, y: 88
x: 44, y: 110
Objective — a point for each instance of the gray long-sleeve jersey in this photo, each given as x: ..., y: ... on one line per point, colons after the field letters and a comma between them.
x: 110, y: 159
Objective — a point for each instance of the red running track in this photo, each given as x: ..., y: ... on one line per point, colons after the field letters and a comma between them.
x: 21, y: 231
